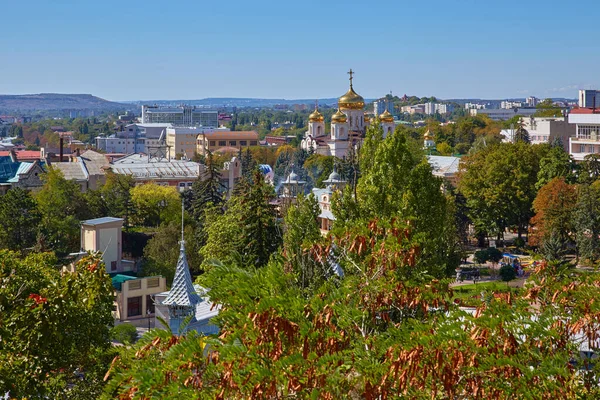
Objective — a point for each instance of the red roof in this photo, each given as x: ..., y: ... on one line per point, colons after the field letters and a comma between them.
x: 585, y: 111
x: 23, y: 155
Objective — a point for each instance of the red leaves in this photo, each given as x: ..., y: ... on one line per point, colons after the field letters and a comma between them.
x: 37, y: 299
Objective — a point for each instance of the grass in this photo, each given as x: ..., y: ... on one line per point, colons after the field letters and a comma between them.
x: 470, y: 295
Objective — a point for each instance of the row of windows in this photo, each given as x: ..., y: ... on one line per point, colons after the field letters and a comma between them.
x: 233, y: 143
x: 588, y: 131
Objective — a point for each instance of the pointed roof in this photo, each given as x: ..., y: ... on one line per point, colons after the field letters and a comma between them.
x: 182, y: 292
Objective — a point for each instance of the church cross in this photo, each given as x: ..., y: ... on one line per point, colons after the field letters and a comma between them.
x: 350, y: 73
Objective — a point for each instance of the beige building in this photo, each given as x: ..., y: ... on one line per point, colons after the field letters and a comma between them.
x: 220, y: 140
x: 135, y: 296
x: 104, y: 235
x: 184, y: 140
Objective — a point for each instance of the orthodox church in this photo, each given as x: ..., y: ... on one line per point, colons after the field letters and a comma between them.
x: 348, y: 126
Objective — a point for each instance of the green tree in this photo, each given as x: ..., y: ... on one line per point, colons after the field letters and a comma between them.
x: 162, y: 251
x: 301, y: 230
x: 556, y: 163
x: 125, y: 333
x: 587, y: 221
x: 116, y: 193
x: 507, y: 273
x: 208, y: 189
x: 547, y: 108
x: 155, y: 204
x: 589, y: 169
x: 54, y: 327
x: 20, y: 217
x: 62, y: 206
x: 318, y: 167
x: 499, y: 185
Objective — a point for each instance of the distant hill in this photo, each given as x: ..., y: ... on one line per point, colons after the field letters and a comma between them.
x: 57, y: 101
x: 217, y: 102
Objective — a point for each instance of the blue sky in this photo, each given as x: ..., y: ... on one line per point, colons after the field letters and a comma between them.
x: 127, y: 50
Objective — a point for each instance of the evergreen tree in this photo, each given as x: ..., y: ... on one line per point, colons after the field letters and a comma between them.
x: 208, y: 188
x: 261, y: 232
x: 20, y: 217
x: 587, y: 221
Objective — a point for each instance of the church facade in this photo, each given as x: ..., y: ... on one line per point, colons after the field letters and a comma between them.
x: 347, y: 129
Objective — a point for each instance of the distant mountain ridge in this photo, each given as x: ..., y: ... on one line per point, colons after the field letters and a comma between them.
x: 238, y: 102
x: 57, y: 101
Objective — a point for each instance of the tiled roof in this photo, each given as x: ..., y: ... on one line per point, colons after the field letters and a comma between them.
x: 585, y: 111
x: 23, y: 155
x: 182, y: 293
x: 224, y: 135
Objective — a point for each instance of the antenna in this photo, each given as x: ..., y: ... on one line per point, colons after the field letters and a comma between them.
x: 182, y: 211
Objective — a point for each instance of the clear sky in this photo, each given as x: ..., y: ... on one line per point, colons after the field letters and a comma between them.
x: 129, y: 49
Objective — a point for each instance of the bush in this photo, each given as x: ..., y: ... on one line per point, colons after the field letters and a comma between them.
x: 480, y: 256
x: 519, y: 243
x: 494, y: 255
x: 507, y: 273
x: 124, y: 333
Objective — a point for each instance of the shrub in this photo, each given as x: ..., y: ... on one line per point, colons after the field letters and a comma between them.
x: 494, y: 255
x: 507, y: 273
x: 124, y: 333
x: 480, y: 256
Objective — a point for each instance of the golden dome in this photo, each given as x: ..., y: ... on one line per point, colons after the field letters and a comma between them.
x: 428, y: 135
x: 339, y: 117
x: 367, y: 119
x: 316, y: 116
x: 386, y: 117
x: 351, y: 100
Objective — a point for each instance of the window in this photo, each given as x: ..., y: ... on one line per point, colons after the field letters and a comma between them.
x: 212, y: 143
x: 153, y: 282
x: 253, y: 143
x: 243, y: 143
x: 149, y: 304
x: 135, y: 285
x: 181, y: 184
x: 113, y: 265
x: 222, y: 143
x: 134, y: 306
x: 233, y: 143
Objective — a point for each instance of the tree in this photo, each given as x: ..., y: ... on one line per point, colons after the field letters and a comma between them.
x: 554, y: 206
x: 116, y: 193
x: 155, y: 204
x: 208, y: 189
x: 319, y: 167
x: 587, y: 221
x: 62, y: 207
x: 248, y: 164
x: 54, y: 327
x: 162, y: 251
x: 20, y: 217
x: 547, y: 108
x: 262, y: 235
x: 301, y: 231
x: 589, y: 169
x: 499, y: 185
x: 371, y: 335
x: 556, y: 163
x: 507, y: 273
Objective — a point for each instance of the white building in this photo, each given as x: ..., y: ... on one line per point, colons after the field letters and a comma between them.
x: 532, y: 101
x: 548, y: 130
x: 507, y: 105
x: 135, y: 138
x: 180, y: 115
x: 589, y: 98
x: 587, y: 138
x: 474, y: 106
x: 502, y: 114
x: 348, y: 126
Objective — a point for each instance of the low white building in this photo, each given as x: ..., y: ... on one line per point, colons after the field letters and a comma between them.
x: 587, y: 138
x: 502, y: 114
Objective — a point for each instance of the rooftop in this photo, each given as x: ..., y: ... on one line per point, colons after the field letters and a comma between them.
x: 100, y: 221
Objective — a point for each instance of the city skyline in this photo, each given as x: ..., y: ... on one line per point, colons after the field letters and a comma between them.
x: 146, y: 51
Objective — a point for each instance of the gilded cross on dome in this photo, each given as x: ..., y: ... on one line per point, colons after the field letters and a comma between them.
x: 350, y: 73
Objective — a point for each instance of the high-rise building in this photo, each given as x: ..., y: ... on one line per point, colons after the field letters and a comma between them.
x: 589, y: 98
x: 532, y: 101
x: 382, y: 105
x: 180, y: 116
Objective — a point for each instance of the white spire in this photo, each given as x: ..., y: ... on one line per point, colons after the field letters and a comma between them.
x: 182, y: 292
